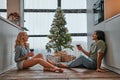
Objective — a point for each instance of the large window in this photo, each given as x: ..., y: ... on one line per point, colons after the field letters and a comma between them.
x: 76, y: 22
x: 3, y: 4
x: 38, y: 23
x: 38, y: 19
x: 40, y: 4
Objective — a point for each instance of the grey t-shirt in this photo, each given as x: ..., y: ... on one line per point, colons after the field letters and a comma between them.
x: 96, y: 47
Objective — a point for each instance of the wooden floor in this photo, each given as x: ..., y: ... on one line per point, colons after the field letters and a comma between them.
x: 36, y: 73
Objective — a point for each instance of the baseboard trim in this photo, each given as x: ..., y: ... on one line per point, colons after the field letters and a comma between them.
x: 112, y: 68
x: 6, y: 69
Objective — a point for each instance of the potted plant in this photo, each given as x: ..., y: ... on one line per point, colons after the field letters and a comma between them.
x: 14, y: 17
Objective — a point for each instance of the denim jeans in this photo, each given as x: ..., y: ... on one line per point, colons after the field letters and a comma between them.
x: 82, y: 61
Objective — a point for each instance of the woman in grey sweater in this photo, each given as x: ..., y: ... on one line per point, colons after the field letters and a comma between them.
x: 22, y: 55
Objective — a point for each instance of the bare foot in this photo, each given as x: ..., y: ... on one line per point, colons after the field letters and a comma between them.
x: 54, y: 70
x: 59, y: 70
x: 49, y: 69
x: 62, y: 65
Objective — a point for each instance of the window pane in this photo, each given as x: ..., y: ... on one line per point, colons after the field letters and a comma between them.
x: 73, y: 4
x: 38, y: 42
x: 3, y: 4
x: 38, y: 23
x: 76, y: 23
x: 40, y: 4
x: 3, y: 14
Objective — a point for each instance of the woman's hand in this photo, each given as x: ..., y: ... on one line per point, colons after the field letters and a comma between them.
x: 99, y: 70
x: 30, y: 54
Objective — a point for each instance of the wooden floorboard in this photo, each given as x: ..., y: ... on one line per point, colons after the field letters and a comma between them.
x: 37, y: 73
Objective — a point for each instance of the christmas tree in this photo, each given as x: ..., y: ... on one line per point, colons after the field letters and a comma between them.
x: 59, y: 37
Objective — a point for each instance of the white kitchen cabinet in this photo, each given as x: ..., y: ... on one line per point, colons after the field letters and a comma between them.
x: 8, y: 34
x: 112, y: 30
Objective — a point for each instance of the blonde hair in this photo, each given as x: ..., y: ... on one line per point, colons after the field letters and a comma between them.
x: 20, y: 39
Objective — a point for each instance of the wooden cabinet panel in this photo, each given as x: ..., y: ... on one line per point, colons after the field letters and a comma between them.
x: 112, y: 7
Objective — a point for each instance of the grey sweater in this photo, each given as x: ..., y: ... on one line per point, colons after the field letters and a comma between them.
x: 20, y: 51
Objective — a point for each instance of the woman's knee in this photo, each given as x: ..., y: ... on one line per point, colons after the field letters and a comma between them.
x: 39, y: 56
x: 37, y: 60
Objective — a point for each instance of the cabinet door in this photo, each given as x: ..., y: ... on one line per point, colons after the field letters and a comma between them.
x: 8, y: 34
x: 113, y: 42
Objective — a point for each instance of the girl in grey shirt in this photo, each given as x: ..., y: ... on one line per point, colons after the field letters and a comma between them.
x: 22, y: 55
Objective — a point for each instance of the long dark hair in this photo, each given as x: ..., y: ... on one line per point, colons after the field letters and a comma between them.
x: 100, y: 35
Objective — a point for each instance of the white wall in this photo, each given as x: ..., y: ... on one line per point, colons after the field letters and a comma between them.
x: 111, y: 60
